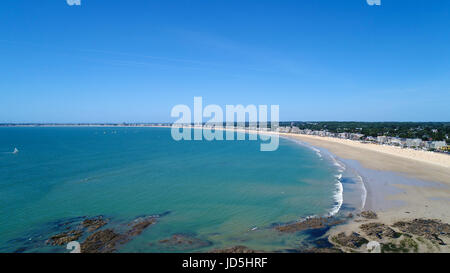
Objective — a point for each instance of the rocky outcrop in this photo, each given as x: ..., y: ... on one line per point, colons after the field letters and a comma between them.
x: 429, y: 229
x: 310, y: 223
x: 65, y: 237
x: 103, y: 241
x: 94, y: 223
x: 235, y: 249
x: 106, y: 241
x: 322, y: 250
x: 353, y: 240
x: 368, y: 214
x: 406, y: 245
x: 408, y: 236
x: 183, y: 242
x: 138, y: 225
x: 379, y: 231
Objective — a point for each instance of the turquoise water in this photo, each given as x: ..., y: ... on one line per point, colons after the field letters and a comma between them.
x: 214, y: 190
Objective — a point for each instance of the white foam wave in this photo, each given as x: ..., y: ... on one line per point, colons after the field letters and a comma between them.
x: 338, y: 196
x: 364, y: 194
x: 339, y: 193
x: 318, y: 152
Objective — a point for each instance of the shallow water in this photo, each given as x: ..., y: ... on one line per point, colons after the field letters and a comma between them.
x: 223, y: 192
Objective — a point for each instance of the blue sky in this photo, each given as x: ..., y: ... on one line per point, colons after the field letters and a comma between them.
x: 132, y: 61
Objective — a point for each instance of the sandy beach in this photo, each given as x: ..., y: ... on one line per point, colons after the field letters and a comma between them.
x: 416, y: 163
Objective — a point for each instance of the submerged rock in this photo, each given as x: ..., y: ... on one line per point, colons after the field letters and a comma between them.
x: 103, y: 241
x: 321, y: 245
x: 310, y: 223
x: 94, y: 223
x: 65, y: 237
x: 368, y: 214
x: 234, y: 249
x: 322, y: 250
x: 354, y: 240
x: 379, y: 231
x: 184, y: 242
x: 429, y: 229
x: 138, y: 225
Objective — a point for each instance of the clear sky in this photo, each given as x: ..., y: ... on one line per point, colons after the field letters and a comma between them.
x: 132, y: 61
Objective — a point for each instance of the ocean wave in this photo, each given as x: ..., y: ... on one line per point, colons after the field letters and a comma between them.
x: 364, y: 194
x: 338, y: 196
x: 341, y: 168
x: 338, y: 164
x: 304, y: 144
x: 339, y: 192
x: 318, y: 153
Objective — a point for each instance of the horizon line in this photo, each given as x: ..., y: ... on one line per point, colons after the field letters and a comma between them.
x: 160, y: 122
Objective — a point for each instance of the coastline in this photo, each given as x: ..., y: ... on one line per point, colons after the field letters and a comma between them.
x: 341, y: 168
x: 433, y: 166
x: 399, y: 187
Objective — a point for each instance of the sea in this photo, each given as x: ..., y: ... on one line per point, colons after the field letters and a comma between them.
x: 219, y: 194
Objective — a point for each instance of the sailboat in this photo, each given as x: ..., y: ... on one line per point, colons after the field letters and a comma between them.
x: 15, y: 151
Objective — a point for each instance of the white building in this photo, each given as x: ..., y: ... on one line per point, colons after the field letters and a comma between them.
x: 414, y: 142
x: 382, y: 139
x: 438, y: 144
x: 295, y: 130
x: 395, y: 141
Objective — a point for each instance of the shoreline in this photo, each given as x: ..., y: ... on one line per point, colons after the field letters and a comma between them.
x: 400, y: 184
x: 341, y: 168
x: 399, y: 188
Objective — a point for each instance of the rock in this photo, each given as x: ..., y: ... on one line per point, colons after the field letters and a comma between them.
x: 184, y: 242
x: 234, y: 249
x: 138, y: 225
x: 310, y: 223
x: 379, y: 231
x: 368, y: 214
x: 103, y: 241
x: 65, y: 237
x: 354, y: 240
x: 322, y: 243
x: 322, y: 250
x: 429, y: 229
x: 405, y: 245
x: 106, y: 241
x: 94, y: 223
x: 350, y: 215
x: 20, y: 250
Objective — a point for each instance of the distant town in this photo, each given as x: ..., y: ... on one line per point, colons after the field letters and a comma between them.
x: 413, y: 143
x: 429, y: 136
x: 432, y: 136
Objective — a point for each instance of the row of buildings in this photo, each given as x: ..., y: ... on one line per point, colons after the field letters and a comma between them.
x: 414, y: 143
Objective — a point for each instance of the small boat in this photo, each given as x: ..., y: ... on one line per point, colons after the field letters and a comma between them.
x: 15, y: 151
